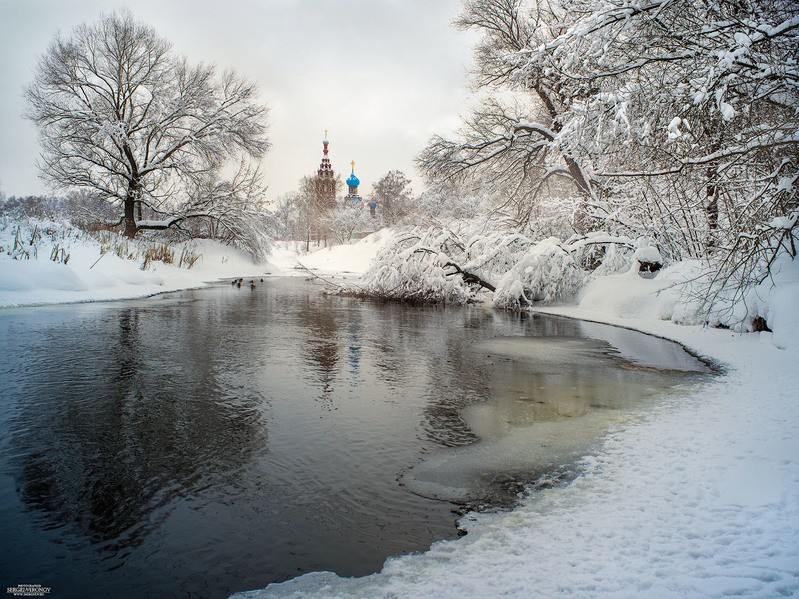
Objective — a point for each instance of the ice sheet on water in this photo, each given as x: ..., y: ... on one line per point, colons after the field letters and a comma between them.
x: 644, y: 350
x: 551, y: 399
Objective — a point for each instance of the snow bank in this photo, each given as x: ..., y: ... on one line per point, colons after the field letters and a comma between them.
x: 780, y: 300
x: 345, y: 259
x: 629, y: 295
x: 91, y: 275
x: 619, y: 298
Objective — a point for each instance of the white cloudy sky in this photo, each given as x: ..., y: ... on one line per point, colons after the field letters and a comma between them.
x: 381, y: 75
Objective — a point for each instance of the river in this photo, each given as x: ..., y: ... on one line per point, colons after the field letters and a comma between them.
x: 204, y: 442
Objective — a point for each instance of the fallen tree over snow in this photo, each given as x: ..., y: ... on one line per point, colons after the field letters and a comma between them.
x: 438, y: 265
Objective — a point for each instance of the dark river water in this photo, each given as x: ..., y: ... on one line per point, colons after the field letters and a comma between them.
x: 212, y: 441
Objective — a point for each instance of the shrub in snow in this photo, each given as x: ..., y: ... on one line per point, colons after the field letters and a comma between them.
x: 546, y: 273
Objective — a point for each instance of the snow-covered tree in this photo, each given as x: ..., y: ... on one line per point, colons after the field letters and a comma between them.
x: 120, y: 113
x: 447, y: 203
x: 422, y: 264
x: 694, y: 128
x: 675, y: 120
x: 547, y: 273
x: 511, y: 145
x: 437, y: 264
x: 231, y: 210
x: 286, y: 217
x: 392, y: 193
x: 349, y: 218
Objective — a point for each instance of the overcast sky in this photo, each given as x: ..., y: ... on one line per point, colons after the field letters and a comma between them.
x: 381, y: 75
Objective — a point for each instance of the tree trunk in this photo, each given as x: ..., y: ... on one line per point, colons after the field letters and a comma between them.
x: 471, y: 278
x: 712, y: 201
x: 134, y: 192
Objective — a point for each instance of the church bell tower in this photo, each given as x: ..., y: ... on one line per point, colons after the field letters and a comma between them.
x: 325, y: 180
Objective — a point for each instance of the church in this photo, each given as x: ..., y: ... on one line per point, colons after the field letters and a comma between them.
x: 325, y: 180
x: 326, y: 183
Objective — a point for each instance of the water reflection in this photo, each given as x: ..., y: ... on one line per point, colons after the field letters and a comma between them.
x: 354, y: 346
x: 122, y: 419
x: 548, y: 400
x: 322, y: 346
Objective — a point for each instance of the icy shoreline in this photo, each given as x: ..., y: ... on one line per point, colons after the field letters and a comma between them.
x: 698, y: 499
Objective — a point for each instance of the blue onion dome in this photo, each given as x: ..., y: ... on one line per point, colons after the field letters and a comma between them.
x: 352, y: 180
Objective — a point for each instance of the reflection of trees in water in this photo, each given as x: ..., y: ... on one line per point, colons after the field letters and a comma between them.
x: 106, y: 444
x: 508, y: 323
x: 436, y: 344
x: 424, y: 348
x: 316, y: 316
x: 354, y: 347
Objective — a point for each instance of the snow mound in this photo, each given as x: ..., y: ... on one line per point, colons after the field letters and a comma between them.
x: 629, y: 295
x: 19, y: 275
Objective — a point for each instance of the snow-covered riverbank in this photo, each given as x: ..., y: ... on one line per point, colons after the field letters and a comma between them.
x: 700, y: 498
x: 93, y: 275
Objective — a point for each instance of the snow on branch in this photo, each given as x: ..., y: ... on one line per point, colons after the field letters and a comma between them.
x: 437, y: 265
x: 547, y: 273
x: 415, y: 266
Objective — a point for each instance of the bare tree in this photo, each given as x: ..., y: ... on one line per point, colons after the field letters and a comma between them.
x: 119, y: 113
x: 287, y: 216
x: 307, y: 207
x: 315, y: 208
x: 304, y: 214
x: 347, y: 219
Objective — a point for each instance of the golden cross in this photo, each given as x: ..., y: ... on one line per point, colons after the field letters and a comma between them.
x: 325, y: 133
x: 353, y: 166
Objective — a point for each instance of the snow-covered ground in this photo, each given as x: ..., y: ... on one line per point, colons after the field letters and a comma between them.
x: 339, y: 261
x: 700, y: 498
